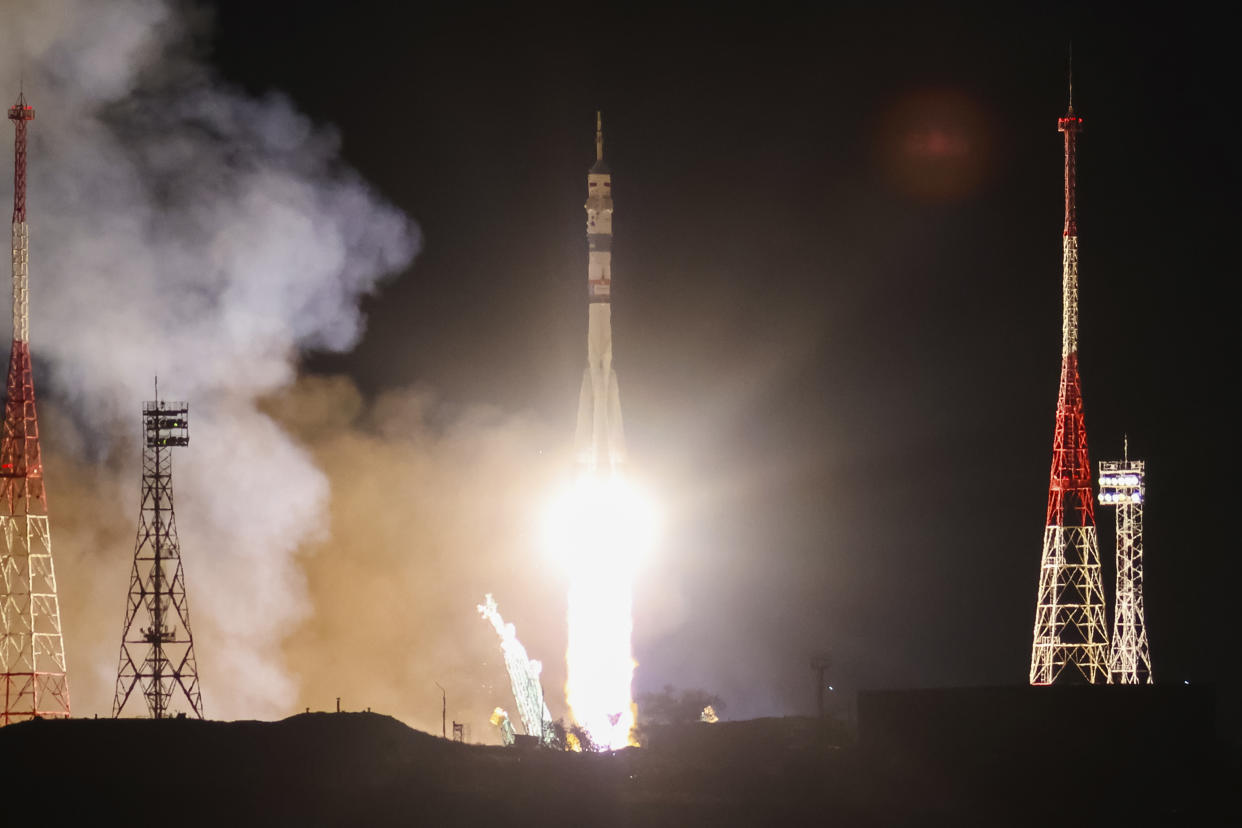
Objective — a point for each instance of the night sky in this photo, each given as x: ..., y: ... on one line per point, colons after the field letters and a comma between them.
x: 836, y: 301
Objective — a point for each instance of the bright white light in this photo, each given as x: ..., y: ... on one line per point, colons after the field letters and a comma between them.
x: 601, y: 525
x: 600, y: 531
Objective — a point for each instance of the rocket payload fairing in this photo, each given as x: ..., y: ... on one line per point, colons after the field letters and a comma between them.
x: 600, y: 441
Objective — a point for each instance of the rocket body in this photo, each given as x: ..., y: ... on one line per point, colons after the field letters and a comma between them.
x: 600, y: 441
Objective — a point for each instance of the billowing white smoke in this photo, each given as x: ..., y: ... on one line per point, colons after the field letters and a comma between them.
x: 182, y: 228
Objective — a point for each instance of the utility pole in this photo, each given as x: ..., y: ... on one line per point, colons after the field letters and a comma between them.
x: 443, y: 713
x: 820, y: 664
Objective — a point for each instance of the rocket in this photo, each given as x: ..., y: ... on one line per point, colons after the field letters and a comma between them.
x: 600, y: 441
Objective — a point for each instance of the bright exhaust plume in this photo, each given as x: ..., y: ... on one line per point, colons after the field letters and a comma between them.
x: 600, y: 530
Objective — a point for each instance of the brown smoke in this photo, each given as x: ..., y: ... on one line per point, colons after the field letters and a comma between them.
x: 430, y: 509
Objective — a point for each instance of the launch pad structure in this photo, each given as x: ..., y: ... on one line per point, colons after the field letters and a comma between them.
x: 34, y: 680
x: 524, y: 675
x: 158, y: 657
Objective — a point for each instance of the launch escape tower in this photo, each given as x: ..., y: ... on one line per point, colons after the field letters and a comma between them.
x: 159, y: 656
x: 1070, y: 627
x: 33, y: 679
x: 1122, y: 485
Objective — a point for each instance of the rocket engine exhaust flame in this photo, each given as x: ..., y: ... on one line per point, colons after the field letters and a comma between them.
x: 601, y: 529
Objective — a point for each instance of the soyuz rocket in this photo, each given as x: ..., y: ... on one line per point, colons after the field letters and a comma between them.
x: 600, y: 442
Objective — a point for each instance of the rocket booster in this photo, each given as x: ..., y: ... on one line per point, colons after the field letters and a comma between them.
x: 600, y: 441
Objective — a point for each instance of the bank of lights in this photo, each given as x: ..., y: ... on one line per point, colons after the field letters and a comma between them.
x: 1121, y: 497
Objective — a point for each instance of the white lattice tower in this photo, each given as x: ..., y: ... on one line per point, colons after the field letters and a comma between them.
x: 1122, y: 486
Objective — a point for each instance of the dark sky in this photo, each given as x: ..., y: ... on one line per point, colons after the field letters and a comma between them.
x: 837, y: 297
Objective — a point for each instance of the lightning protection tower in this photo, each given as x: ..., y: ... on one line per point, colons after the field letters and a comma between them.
x: 1122, y: 485
x: 1070, y: 628
x: 33, y: 679
x: 160, y: 655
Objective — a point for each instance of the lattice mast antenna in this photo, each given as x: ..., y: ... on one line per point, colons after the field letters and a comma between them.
x: 1070, y: 626
x: 160, y: 656
x: 33, y: 678
x: 1122, y: 485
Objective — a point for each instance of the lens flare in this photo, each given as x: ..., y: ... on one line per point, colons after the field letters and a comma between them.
x: 600, y: 530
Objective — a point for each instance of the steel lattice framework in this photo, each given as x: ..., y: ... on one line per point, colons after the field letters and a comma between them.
x: 159, y: 656
x: 524, y: 674
x: 1122, y: 485
x: 1070, y: 626
x: 33, y: 678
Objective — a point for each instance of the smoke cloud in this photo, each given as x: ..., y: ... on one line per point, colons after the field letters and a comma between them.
x: 181, y: 227
x: 432, y: 507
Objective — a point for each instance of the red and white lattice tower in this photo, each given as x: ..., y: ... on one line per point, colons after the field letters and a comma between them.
x: 33, y: 680
x: 1070, y: 626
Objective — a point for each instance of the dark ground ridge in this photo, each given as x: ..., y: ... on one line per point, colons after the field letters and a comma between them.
x: 971, y: 756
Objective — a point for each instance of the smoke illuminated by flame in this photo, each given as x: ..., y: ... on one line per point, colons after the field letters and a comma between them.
x: 600, y: 530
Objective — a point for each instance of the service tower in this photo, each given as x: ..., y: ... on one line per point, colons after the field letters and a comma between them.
x: 1070, y: 629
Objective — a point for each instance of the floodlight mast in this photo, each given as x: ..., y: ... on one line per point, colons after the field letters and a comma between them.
x: 1123, y: 485
x: 158, y: 658
x: 34, y: 682
x: 1070, y: 626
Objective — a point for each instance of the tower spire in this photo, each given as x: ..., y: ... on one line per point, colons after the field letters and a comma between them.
x: 1069, y: 73
x: 599, y: 136
x: 1069, y: 616
x: 33, y: 680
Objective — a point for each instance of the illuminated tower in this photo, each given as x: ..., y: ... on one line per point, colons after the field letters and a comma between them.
x: 1122, y: 485
x: 524, y: 675
x: 1070, y: 628
x: 33, y: 680
x: 160, y: 655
